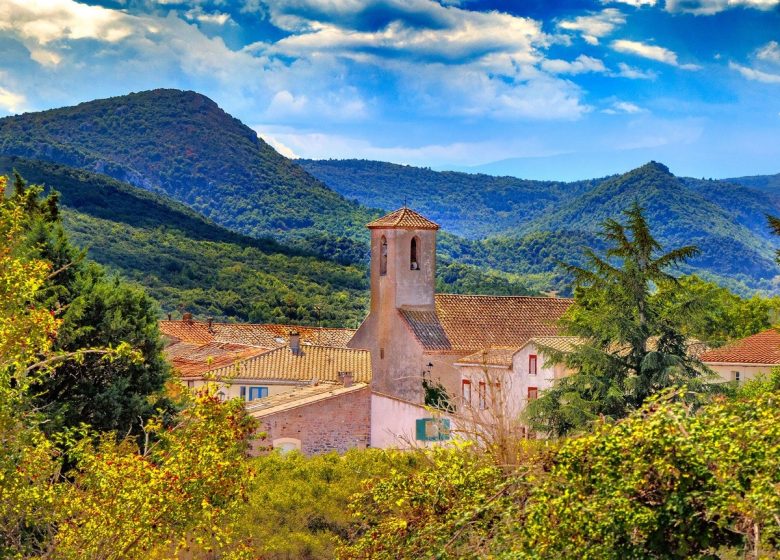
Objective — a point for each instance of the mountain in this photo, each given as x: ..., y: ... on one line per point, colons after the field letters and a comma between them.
x: 527, y: 227
x: 188, y: 262
x: 181, y: 144
x: 725, y: 221
x: 766, y: 183
x: 473, y: 206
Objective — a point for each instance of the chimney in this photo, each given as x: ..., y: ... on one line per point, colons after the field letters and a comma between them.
x: 211, y: 322
x: 295, y: 342
x: 346, y: 378
x: 187, y: 317
x: 169, y: 316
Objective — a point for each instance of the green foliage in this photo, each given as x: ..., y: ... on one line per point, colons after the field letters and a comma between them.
x: 298, y: 506
x: 97, y: 311
x: 669, y: 481
x: 633, y: 345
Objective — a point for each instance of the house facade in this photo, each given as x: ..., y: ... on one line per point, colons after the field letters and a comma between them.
x: 746, y: 358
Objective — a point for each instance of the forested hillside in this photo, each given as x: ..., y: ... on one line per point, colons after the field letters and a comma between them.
x: 473, y: 206
x: 528, y: 227
x: 189, y: 263
x: 182, y: 144
x: 767, y: 183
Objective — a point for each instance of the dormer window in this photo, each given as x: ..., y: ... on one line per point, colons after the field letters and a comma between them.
x: 413, y: 263
x: 383, y: 257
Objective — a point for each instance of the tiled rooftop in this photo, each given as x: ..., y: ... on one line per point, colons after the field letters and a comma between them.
x: 761, y: 348
x: 265, y: 335
x: 557, y: 343
x: 403, y: 218
x: 491, y: 357
x: 467, y: 323
x: 300, y: 396
x: 320, y: 363
x: 192, y: 360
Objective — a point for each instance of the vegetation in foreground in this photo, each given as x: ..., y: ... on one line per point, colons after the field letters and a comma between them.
x: 675, y: 478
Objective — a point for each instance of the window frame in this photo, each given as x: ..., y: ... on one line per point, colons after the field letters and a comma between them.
x: 465, y: 383
x: 533, y: 359
x: 533, y: 391
x: 261, y: 390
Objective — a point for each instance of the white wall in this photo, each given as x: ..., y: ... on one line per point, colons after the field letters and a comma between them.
x: 393, y: 423
x: 232, y: 389
x: 725, y: 371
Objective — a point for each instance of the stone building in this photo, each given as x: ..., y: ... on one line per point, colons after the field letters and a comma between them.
x: 412, y: 332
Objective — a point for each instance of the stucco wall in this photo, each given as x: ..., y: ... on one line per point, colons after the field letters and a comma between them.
x: 233, y: 390
x: 724, y: 371
x: 337, y: 423
x: 393, y: 423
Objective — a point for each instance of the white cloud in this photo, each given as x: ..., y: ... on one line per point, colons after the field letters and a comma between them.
x: 624, y: 107
x: 634, y: 3
x: 595, y: 26
x: 580, y: 65
x: 653, y: 52
x: 769, y: 52
x: 11, y: 102
x: 755, y: 75
x: 710, y: 7
x: 626, y: 71
x: 214, y: 18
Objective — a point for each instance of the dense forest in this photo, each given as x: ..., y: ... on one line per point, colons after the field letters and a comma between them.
x: 187, y: 262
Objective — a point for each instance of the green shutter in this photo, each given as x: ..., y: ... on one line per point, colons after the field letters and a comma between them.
x: 420, y: 428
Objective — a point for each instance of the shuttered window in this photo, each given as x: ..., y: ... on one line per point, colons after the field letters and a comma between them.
x: 432, y: 429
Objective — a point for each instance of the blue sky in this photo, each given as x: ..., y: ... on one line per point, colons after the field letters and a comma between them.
x: 538, y: 89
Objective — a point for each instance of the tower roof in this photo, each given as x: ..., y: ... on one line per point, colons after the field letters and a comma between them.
x: 403, y: 218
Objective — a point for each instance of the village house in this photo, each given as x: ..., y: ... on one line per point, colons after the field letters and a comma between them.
x: 746, y: 358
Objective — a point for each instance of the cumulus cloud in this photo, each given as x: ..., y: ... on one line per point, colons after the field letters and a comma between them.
x: 11, y: 102
x: 214, y: 18
x: 755, y: 75
x: 580, y: 65
x: 624, y: 107
x: 626, y: 71
x: 595, y: 26
x: 710, y: 7
x: 653, y: 52
x: 439, y: 57
x: 634, y: 3
x: 769, y: 52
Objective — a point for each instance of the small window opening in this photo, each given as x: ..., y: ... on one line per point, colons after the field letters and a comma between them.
x: 532, y: 364
x: 736, y: 376
x: 533, y: 393
x: 413, y: 263
x: 383, y: 257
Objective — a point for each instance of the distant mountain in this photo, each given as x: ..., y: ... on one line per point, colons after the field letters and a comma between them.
x: 766, y: 183
x: 473, y: 206
x: 727, y: 222
x: 527, y: 227
x: 188, y: 262
x: 182, y: 144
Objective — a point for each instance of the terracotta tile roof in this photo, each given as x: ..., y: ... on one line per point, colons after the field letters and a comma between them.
x: 467, y: 323
x: 761, y: 348
x: 558, y: 343
x: 191, y: 360
x: 320, y: 363
x: 300, y: 396
x: 265, y: 335
x: 403, y: 218
x: 491, y: 356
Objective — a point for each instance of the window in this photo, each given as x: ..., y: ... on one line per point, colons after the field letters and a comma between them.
x: 532, y: 364
x: 736, y: 376
x: 381, y: 353
x: 383, y: 256
x: 286, y: 445
x: 466, y: 391
x: 413, y: 262
x: 257, y: 393
x: 482, y: 400
x: 533, y: 393
x: 190, y: 384
x: 432, y: 429
x: 242, y: 391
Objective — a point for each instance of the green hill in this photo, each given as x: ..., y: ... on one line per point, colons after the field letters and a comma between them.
x: 473, y: 206
x: 182, y: 144
x: 187, y: 262
x: 767, y: 183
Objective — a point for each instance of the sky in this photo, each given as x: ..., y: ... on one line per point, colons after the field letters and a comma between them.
x: 566, y: 89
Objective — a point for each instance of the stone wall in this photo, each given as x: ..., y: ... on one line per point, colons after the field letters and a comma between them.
x: 336, y: 423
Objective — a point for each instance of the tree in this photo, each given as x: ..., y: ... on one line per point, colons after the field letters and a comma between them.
x: 96, y: 311
x: 632, y: 345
